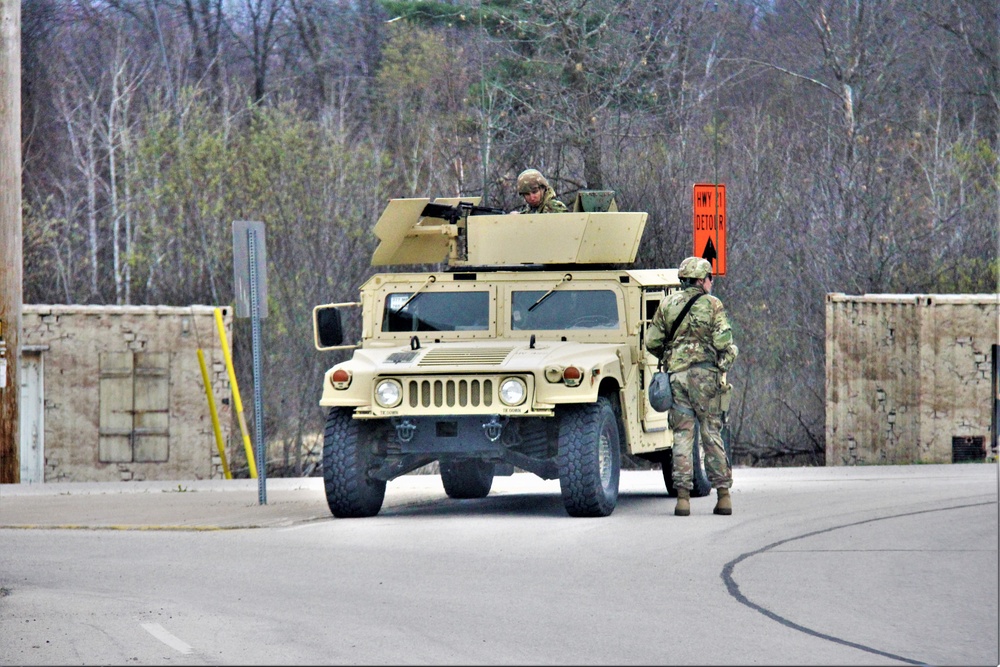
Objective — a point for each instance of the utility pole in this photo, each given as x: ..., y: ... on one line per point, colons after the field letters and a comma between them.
x: 11, y: 263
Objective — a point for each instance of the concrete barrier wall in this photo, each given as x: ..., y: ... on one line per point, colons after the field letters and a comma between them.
x: 124, y: 397
x: 909, y: 377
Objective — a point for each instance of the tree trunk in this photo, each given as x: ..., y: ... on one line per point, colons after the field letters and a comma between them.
x: 10, y: 238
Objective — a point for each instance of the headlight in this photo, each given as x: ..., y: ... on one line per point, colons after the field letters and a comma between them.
x: 513, y: 391
x: 388, y: 393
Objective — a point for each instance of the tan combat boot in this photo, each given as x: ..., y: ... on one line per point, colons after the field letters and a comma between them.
x: 724, y: 504
x: 683, y: 507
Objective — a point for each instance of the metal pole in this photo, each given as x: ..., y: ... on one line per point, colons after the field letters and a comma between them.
x: 237, y: 401
x: 258, y: 409
x: 214, y: 413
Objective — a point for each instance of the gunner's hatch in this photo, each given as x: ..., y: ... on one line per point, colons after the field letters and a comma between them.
x: 459, y: 231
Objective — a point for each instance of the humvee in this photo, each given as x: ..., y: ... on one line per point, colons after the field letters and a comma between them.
x: 524, y: 352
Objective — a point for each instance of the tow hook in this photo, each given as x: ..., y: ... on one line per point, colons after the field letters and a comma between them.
x: 405, y: 430
x: 494, y: 428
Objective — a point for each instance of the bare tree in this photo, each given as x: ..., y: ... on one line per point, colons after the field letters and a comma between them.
x: 975, y: 24
x: 256, y: 29
x: 80, y: 108
x: 117, y: 130
x: 206, y: 20
x: 340, y: 46
x: 422, y: 87
x: 857, y: 140
x: 577, y: 60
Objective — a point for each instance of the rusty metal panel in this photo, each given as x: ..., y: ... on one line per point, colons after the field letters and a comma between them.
x: 116, y: 387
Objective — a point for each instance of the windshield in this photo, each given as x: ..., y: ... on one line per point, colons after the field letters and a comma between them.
x: 564, y: 309
x: 437, y: 311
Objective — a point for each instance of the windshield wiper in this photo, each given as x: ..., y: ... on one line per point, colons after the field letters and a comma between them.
x: 413, y: 296
x: 545, y: 296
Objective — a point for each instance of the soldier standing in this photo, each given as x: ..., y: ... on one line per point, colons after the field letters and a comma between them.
x: 697, y: 357
x: 539, y: 197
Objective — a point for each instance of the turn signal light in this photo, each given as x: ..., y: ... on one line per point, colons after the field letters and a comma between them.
x: 340, y: 379
x: 572, y: 376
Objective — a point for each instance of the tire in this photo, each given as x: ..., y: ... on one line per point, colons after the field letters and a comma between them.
x: 589, y: 458
x: 702, y: 487
x: 467, y: 479
x: 347, y: 457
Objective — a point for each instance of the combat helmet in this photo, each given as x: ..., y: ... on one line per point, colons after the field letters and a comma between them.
x: 529, y: 179
x: 694, y: 268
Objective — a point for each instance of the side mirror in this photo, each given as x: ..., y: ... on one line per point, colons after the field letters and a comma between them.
x: 328, y: 329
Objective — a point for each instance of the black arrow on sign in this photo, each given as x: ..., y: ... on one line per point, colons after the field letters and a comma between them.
x: 709, y: 252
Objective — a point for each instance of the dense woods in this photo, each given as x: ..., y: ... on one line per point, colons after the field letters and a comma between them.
x: 858, y: 141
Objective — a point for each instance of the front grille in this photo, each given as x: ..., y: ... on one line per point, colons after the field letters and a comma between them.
x: 452, y: 393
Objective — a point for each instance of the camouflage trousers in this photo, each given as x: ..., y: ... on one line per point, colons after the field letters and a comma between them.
x: 697, y: 402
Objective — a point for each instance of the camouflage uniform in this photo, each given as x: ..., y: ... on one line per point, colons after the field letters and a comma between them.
x: 701, y: 351
x: 532, y: 178
x: 549, y: 204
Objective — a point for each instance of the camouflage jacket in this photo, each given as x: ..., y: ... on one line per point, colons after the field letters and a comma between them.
x: 549, y: 204
x: 703, y: 336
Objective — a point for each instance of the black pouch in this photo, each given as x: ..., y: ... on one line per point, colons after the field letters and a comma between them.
x: 660, y: 395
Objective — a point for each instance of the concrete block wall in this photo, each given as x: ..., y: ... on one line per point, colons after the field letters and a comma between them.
x: 71, y: 340
x: 908, y: 376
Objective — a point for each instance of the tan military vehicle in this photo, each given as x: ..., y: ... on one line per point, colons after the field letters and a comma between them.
x: 525, y: 352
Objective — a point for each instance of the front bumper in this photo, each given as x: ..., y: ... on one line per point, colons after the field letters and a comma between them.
x: 478, y: 435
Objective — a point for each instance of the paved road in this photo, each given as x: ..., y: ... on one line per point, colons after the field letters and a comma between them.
x: 817, y: 566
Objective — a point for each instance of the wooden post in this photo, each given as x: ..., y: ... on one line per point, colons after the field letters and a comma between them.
x: 10, y: 238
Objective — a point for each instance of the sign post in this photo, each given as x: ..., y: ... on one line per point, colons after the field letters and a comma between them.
x: 250, y: 282
x: 710, y: 224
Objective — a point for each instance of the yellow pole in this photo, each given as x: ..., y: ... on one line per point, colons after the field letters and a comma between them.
x: 215, y: 414
x: 236, y: 393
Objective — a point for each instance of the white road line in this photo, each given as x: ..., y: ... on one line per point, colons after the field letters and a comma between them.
x: 157, y: 631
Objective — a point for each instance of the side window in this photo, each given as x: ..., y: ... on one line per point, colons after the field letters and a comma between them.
x: 651, y: 301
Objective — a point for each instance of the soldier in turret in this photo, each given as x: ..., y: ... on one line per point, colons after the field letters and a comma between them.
x: 701, y: 350
x: 539, y: 197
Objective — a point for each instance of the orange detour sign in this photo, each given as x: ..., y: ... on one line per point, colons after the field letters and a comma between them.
x: 710, y: 224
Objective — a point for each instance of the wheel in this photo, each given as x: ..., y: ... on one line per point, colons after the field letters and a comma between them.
x: 700, y: 479
x: 467, y: 479
x: 347, y: 457
x: 702, y: 487
x: 589, y: 458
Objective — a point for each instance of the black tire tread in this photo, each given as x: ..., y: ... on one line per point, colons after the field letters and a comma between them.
x: 347, y: 454
x: 702, y: 487
x: 579, y: 464
x: 467, y: 479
